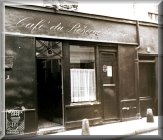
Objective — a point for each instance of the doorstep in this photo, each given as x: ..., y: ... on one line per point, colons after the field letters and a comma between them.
x: 50, y: 130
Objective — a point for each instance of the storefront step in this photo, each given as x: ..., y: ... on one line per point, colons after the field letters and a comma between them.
x: 44, y: 131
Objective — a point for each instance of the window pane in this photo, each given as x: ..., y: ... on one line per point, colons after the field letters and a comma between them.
x: 82, y: 64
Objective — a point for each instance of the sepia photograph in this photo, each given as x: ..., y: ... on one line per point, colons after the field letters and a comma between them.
x: 77, y: 69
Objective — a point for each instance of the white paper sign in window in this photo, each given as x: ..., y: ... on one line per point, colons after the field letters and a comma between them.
x: 109, y: 71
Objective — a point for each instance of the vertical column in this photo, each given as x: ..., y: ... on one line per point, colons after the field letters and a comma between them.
x: 66, y: 76
x: 97, y: 65
x: 2, y: 73
x: 155, y: 107
x: 137, y: 72
x: 137, y: 84
x: 160, y: 60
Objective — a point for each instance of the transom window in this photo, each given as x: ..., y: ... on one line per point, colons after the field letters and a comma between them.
x: 48, y: 49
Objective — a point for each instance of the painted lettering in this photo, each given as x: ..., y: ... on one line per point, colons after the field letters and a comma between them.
x: 78, y: 29
x: 58, y: 27
x: 74, y: 28
x: 35, y: 25
x: 22, y: 22
x: 38, y: 25
x: 28, y: 23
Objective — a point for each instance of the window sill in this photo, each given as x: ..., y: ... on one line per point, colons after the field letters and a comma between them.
x: 83, y: 104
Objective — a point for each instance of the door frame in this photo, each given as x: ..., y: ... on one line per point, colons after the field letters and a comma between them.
x: 62, y: 77
x: 153, y: 97
x: 108, y: 50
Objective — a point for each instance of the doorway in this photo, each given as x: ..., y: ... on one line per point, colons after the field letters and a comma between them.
x: 49, y: 85
x: 147, y: 88
x: 108, y: 71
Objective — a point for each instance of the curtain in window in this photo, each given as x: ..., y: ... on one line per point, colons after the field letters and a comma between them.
x: 83, y: 86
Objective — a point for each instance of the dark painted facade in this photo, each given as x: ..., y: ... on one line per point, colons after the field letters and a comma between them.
x: 46, y: 51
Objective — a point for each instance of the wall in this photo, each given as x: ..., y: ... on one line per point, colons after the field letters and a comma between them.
x: 20, y: 80
x: 148, y: 39
x: 19, y: 48
x: 127, y: 95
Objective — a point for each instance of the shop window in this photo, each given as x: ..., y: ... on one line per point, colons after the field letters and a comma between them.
x: 82, y: 70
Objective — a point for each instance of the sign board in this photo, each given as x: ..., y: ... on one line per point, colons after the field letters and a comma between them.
x: 49, y: 24
x: 109, y: 71
x: 9, y: 60
x: 15, y: 122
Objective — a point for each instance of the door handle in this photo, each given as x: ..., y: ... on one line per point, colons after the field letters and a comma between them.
x: 108, y: 85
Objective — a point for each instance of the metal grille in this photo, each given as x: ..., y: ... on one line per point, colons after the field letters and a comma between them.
x: 52, y: 49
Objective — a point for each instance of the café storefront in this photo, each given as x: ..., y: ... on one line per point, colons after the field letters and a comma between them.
x: 62, y: 67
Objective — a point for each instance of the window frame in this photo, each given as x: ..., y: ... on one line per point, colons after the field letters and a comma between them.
x: 96, y: 77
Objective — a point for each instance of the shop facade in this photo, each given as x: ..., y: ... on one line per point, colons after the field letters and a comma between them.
x: 62, y: 67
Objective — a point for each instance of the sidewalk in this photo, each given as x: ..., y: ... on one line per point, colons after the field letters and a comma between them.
x: 132, y: 127
x: 127, y: 130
